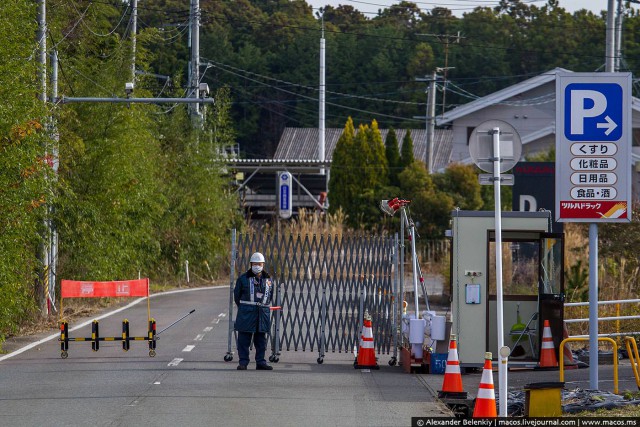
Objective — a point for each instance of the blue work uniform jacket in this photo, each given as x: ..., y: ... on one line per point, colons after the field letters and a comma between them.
x: 253, y: 298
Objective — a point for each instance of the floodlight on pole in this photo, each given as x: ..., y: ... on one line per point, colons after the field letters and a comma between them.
x: 390, y: 207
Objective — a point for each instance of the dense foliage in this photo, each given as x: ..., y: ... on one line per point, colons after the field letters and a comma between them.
x: 267, y: 52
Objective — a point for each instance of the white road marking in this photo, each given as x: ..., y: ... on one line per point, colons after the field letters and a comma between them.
x: 222, y: 315
x: 207, y: 329
x: 189, y: 348
x: 111, y: 313
x: 215, y: 321
x: 175, y: 362
x: 156, y: 383
x: 199, y: 337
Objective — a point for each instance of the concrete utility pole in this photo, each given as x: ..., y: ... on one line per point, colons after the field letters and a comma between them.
x: 430, y: 118
x: 610, y: 40
x: 53, y: 234
x: 194, y: 79
x: 134, y: 31
x: 42, y: 74
x: 321, y: 101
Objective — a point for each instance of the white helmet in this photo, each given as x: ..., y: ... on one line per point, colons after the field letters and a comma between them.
x: 257, y: 257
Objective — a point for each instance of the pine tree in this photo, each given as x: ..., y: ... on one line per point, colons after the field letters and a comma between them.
x: 378, y: 161
x: 406, y: 152
x: 392, y: 153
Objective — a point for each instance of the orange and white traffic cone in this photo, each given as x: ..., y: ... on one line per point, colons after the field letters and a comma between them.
x: 486, y: 400
x: 452, y: 383
x: 366, y: 353
x: 547, y: 351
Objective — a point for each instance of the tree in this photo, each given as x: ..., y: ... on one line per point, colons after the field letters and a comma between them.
x: 392, y: 154
x: 23, y: 165
x: 342, y: 187
x: 406, y: 152
x: 461, y: 183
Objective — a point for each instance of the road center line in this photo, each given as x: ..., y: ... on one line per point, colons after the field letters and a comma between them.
x: 175, y: 362
x: 199, y: 337
x: 222, y: 315
x: 189, y: 348
x: 207, y: 329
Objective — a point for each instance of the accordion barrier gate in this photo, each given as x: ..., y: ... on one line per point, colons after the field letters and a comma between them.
x: 324, y: 284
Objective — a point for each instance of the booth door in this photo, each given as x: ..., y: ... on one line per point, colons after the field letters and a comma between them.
x: 551, y: 286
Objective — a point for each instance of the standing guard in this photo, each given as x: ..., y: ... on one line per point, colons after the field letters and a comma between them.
x: 252, y: 294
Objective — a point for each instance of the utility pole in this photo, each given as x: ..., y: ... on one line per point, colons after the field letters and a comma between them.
x: 55, y: 160
x: 610, y: 40
x: 445, y: 39
x: 134, y: 31
x: 321, y: 101
x: 194, y: 79
x: 430, y: 117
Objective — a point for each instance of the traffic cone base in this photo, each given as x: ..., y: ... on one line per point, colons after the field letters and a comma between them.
x: 366, y: 354
x: 452, y: 383
x: 548, y: 358
x: 485, y: 406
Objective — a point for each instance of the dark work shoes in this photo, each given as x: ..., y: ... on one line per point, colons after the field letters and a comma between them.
x: 242, y: 367
x: 264, y: 367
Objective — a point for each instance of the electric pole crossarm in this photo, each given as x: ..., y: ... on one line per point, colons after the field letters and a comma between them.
x: 72, y: 100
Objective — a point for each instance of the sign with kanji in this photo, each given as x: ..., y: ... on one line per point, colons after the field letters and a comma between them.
x: 593, y: 147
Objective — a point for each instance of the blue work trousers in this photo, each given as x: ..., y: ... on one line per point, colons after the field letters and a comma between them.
x: 244, y: 342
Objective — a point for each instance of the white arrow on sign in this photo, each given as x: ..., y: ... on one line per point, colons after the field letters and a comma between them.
x: 610, y: 125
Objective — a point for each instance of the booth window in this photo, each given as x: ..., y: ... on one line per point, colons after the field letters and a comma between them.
x: 520, y: 266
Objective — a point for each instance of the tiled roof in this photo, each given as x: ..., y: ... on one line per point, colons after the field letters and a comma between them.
x: 302, y: 143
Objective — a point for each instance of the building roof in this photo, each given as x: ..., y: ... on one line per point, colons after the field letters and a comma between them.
x: 500, y: 96
x: 302, y: 143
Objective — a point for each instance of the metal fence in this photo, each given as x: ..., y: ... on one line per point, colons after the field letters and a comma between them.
x: 324, y: 284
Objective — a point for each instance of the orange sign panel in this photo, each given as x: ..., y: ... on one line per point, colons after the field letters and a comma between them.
x: 125, y: 288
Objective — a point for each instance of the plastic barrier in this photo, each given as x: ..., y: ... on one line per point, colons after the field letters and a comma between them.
x: 118, y: 289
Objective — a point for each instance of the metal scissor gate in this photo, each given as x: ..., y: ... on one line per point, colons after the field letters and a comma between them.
x: 324, y: 284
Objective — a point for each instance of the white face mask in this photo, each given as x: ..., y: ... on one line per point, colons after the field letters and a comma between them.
x: 257, y: 269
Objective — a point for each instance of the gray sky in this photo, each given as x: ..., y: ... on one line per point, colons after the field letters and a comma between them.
x: 457, y: 6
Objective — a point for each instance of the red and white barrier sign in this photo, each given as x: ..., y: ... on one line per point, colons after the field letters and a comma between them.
x: 125, y: 288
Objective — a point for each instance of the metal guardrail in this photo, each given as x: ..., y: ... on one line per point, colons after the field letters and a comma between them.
x: 634, y: 358
x: 615, y: 357
x: 610, y: 318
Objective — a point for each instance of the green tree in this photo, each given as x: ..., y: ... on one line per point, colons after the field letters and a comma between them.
x: 406, y: 152
x: 392, y: 154
x: 342, y: 187
x: 23, y: 165
x: 461, y: 183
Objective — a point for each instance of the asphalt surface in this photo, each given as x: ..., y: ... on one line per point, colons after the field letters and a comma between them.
x: 188, y: 383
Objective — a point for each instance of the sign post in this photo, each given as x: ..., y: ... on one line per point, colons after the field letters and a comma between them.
x: 494, y: 154
x: 285, y: 194
x: 593, y: 166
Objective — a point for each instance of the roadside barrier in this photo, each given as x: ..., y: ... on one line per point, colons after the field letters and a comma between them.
x: 116, y: 289
x: 634, y: 358
x: 595, y: 354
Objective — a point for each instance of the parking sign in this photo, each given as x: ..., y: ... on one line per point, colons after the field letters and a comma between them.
x: 593, y: 147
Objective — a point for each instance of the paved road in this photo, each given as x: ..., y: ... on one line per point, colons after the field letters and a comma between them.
x: 188, y: 383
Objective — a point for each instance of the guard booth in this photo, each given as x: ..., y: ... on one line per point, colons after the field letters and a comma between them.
x: 533, y: 286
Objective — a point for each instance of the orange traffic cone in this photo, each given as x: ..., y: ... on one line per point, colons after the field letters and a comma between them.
x: 486, y: 399
x: 366, y: 353
x: 569, y: 363
x: 547, y: 351
x: 452, y: 383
